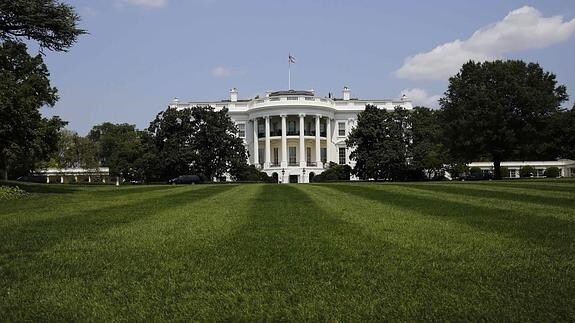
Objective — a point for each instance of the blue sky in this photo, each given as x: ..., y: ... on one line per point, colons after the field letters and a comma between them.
x: 140, y: 54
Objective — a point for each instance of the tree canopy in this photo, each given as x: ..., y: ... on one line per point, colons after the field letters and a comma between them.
x: 380, y: 142
x: 24, y: 87
x: 199, y: 140
x: 119, y: 147
x: 499, y: 110
x: 51, y: 23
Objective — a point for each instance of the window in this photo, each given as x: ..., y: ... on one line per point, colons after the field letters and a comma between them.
x: 342, y: 155
x: 291, y: 127
x: 276, y: 156
x: 308, y: 154
x: 341, y: 129
x: 292, y: 156
x: 242, y: 130
x: 261, y: 129
x: 276, y: 131
x: 323, y: 154
x: 260, y: 156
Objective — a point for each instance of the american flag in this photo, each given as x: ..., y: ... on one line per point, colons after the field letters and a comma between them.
x: 291, y: 59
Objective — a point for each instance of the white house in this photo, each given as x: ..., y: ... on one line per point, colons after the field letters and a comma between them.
x: 566, y: 167
x: 292, y: 135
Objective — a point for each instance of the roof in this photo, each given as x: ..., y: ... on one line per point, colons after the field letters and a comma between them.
x: 291, y: 92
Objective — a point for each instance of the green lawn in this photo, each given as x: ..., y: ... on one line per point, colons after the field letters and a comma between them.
x: 501, y: 251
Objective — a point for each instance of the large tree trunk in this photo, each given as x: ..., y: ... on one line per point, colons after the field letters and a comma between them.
x: 497, y: 167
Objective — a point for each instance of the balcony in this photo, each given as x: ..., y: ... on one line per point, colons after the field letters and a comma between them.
x: 278, y: 133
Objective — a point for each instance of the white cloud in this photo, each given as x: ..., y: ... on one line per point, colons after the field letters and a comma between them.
x: 523, y: 28
x: 221, y: 71
x: 420, y: 97
x: 146, y: 3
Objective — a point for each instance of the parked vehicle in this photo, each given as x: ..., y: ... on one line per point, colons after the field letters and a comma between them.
x: 477, y: 177
x: 185, y: 179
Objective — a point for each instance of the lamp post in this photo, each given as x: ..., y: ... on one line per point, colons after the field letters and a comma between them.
x: 303, y: 176
x: 283, y: 175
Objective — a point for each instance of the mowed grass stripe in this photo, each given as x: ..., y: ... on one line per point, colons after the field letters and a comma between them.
x: 504, y: 268
x: 290, y: 261
x: 537, y: 228
x: 566, y: 185
x: 335, y: 252
x: 59, y: 201
x: 522, y: 191
x: 498, y: 199
x: 65, y: 267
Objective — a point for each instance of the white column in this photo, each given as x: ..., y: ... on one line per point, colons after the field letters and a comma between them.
x: 47, y: 179
x: 302, y: 162
x: 256, y: 148
x: 76, y: 178
x: 89, y: 179
x: 284, y: 142
x: 317, y: 141
x: 117, y: 181
x: 268, y: 153
x: 328, y: 140
x: 62, y: 179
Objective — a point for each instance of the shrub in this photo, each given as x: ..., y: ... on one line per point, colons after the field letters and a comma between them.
x: 11, y: 193
x: 552, y: 172
x: 334, y: 172
x: 526, y: 171
x: 504, y: 172
x: 252, y: 174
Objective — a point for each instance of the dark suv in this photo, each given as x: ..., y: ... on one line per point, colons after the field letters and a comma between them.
x: 477, y: 177
x: 185, y: 179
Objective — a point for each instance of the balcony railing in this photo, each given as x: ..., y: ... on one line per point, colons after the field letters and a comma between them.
x: 276, y: 164
x: 311, y: 164
x: 293, y: 164
x: 277, y: 133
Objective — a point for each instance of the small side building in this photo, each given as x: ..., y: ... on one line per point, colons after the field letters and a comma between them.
x: 75, y: 175
x: 566, y: 167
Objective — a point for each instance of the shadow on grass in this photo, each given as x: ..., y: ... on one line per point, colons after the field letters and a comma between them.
x: 564, y: 186
x: 466, y: 190
x: 292, y: 260
x: 43, y: 234
x: 42, y: 188
x: 540, y: 230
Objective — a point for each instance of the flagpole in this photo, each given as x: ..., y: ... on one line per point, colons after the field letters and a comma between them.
x: 289, y: 74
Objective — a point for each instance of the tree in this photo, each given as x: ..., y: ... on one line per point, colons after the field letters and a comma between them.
x: 562, y: 130
x: 198, y: 140
x: 427, y: 151
x: 119, y: 147
x: 51, y: 23
x: 499, y: 110
x: 73, y: 151
x: 24, y: 88
x: 26, y: 137
x: 380, y: 143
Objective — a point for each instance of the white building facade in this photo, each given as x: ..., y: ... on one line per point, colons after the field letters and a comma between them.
x: 293, y: 135
x: 566, y: 167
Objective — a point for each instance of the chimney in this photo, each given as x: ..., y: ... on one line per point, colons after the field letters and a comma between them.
x: 346, y: 93
x: 234, y: 95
